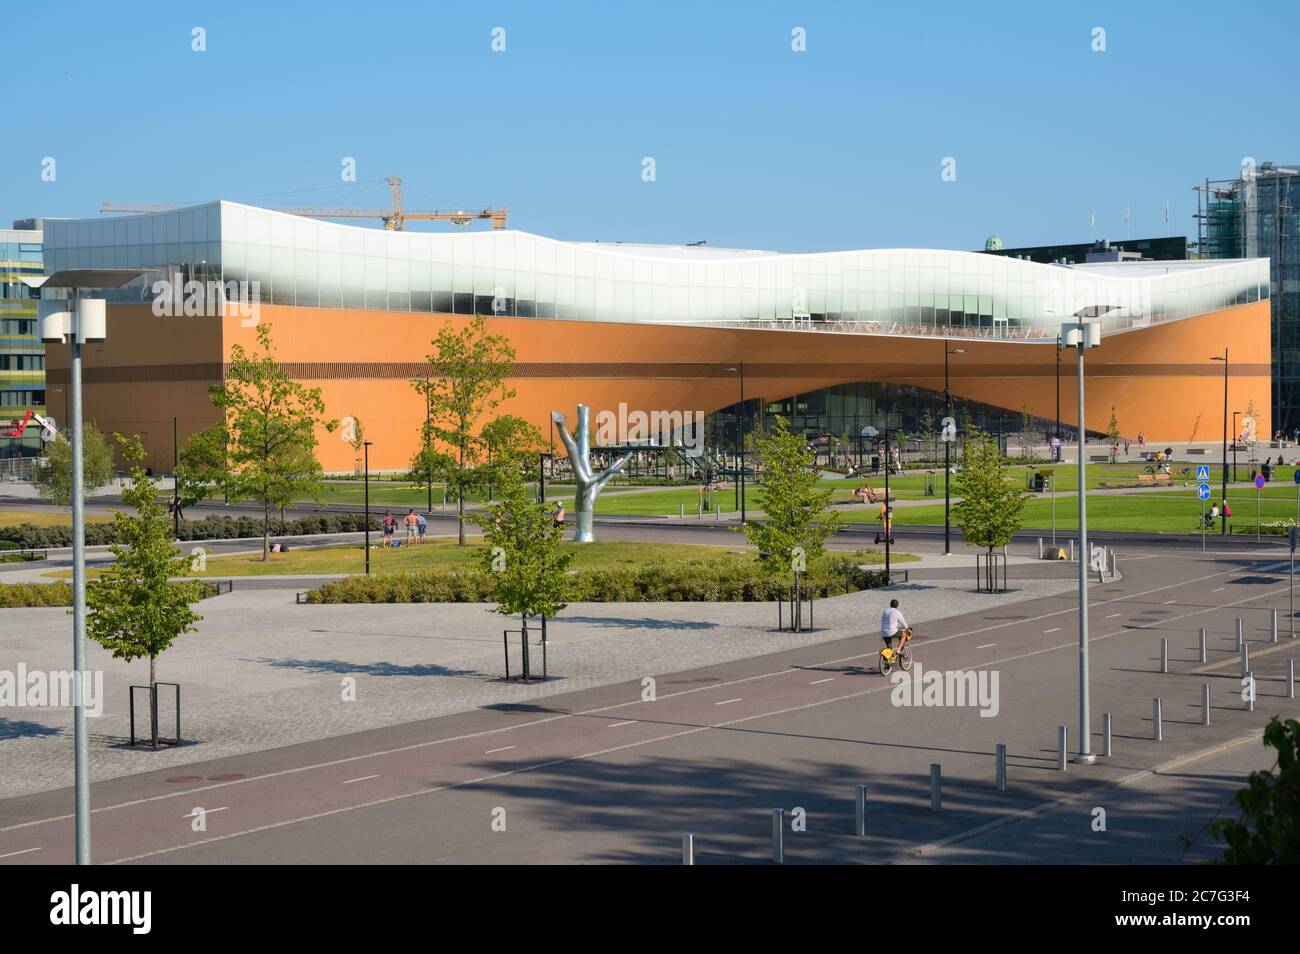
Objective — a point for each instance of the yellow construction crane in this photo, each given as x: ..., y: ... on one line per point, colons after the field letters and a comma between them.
x: 394, y: 219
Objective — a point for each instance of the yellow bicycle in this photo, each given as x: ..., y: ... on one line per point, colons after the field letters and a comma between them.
x: 900, y: 657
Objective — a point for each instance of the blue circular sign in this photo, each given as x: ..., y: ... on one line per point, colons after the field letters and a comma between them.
x: 1296, y: 474
x: 1259, y: 481
x: 1203, y: 491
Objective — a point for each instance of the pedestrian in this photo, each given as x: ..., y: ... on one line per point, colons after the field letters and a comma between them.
x: 1212, y: 516
x: 423, y: 526
x: 1227, y: 511
x: 390, y: 527
x: 559, y: 514
x: 412, y: 526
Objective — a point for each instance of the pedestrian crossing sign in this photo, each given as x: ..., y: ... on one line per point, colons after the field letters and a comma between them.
x: 1203, y: 472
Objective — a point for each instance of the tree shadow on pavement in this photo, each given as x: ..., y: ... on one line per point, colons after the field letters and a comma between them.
x: 365, y: 668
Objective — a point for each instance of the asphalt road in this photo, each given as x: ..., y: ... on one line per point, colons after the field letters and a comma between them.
x: 608, y: 776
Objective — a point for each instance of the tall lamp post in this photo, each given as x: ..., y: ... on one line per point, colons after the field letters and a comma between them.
x: 1083, y: 334
x: 78, y: 320
x: 1223, y: 524
x: 1235, y: 432
x: 886, y: 525
x: 1058, y: 393
x: 947, y: 449
x: 740, y: 437
x: 365, y: 445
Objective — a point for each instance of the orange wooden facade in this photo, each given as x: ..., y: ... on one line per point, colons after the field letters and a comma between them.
x: 1160, y: 379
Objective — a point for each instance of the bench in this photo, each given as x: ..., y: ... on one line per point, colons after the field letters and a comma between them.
x: 1145, y: 479
x: 1197, y: 450
x: 1098, y: 458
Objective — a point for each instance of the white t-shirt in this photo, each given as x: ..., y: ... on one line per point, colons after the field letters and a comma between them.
x: 891, y: 622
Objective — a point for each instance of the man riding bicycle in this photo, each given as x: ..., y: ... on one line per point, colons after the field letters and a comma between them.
x: 892, y: 624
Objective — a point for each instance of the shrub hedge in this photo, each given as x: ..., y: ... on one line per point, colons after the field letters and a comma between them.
x: 28, y: 537
x: 709, y: 581
x: 20, y: 595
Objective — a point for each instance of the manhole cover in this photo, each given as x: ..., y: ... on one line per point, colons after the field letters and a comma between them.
x: 185, y: 779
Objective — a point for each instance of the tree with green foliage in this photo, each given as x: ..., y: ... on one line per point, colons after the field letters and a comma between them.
x: 928, y: 434
x: 1268, y: 831
x: 523, y: 555
x: 355, y: 435
x: 467, y: 371
x: 990, y: 508
x: 510, y: 444
x: 1027, y: 449
x: 268, y: 432
x: 134, y: 610
x: 53, y: 474
x: 1113, y: 436
x: 201, y: 467
x: 789, y: 496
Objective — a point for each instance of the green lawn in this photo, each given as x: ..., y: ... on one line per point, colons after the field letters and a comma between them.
x: 45, y: 518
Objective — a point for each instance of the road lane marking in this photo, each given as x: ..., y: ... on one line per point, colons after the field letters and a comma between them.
x: 361, y: 779
x: 1167, y: 602
x: 818, y: 682
x: 502, y: 749
x: 727, y: 702
x: 1113, y: 615
x: 986, y: 646
x: 204, y: 811
x: 380, y: 753
x: 23, y: 852
x: 1216, y: 589
x: 615, y: 725
x: 1055, y: 629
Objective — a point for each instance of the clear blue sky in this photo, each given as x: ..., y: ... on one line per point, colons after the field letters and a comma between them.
x: 755, y: 145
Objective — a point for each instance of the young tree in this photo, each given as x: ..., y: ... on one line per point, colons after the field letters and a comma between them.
x: 990, y: 509
x: 466, y: 379
x: 795, y: 506
x: 53, y: 476
x: 268, y: 432
x: 355, y: 435
x: 1027, y: 449
x: 133, y: 608
x: 1268, y: 832
x: 1196, y: 426
x: 1112, y: 434
x: 523, y: 551
x: 201, y: 467
x: 929, y: 436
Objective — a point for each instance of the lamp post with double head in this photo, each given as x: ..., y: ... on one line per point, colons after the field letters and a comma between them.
x: 948, y: 433
x: 365, y: 445
x: 78, y: 320
x: 1223, y: 523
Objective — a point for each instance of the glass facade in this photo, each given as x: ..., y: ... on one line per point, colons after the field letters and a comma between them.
x: 22, y: 356
x: 1258, y: 215
x: 311, y: 263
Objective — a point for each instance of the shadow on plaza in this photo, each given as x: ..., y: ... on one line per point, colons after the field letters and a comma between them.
x: 364, y: 668
x: 19, y: 728
x: 645, y: 622
x: 644, y: 806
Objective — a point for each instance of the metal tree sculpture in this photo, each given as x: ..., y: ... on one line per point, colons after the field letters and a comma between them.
x: 589, y: 483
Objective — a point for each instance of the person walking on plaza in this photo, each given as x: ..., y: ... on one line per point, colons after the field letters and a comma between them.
x: 559, y: 514
x: 412, y: 526
x: 390, y: 527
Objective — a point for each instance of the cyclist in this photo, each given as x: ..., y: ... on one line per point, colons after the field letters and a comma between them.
x: 892, y: 624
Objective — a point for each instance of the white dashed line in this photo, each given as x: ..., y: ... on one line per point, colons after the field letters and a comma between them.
x: 1167, y: 602
x: 1055, y: 629
x: 363, y: 778
x: 1216, y: 589
x: 502, y: 749
x: 615, y: 725
x: 818, y: 682
x: 205, y: 811
x: 986, y: 646
x: 727, y: 701
x: 1113, y: 615
x: 23, y: 852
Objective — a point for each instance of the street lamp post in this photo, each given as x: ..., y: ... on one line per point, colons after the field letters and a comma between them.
x: 428, y: 412
x: 1223, y: 524
x: 366, y: 448
x: 947, y: 451
x: 1083, y: 334
x: 1058, y: 393
x: 77, y: 321
x: 740, y: 432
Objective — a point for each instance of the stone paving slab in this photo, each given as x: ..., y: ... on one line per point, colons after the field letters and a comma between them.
x: 263, y: 672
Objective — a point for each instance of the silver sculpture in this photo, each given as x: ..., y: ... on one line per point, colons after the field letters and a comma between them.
x: 590, y: 484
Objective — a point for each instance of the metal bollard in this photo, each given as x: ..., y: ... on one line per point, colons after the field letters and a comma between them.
x: 1157, y: 723
x: 1272, y: 626
x: 1245, y: 659
x: 1071, y: 551
x: 1061, y: 736
x: 1105, y: 734
x: 1040, y: 548
x: 1290, y: 678
x: 1000, y: 775
x: 1164, y: 654
x: 936, y: 791
x: 860, y: 811
x: 778, y: 836
x: 1241, y: 638
x: 688, y: 849
x: 1114, y: 564
x: 1249, y: 679
x: 1202, y: 644
x: 681, y: 511
x: 1205, y: 704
